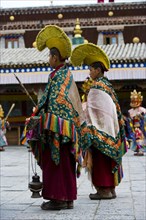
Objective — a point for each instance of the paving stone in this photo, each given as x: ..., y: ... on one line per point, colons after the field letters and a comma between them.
x: 16, y: 202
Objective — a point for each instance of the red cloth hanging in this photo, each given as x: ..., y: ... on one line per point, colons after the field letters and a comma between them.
x: 100, y: 1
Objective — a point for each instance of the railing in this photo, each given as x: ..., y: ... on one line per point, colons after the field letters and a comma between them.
x: 71, y: 22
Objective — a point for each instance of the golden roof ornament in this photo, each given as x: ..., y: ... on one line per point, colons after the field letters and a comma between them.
x: 77, y: 30
x: 136, y: 40
x: 60, y: 16
x: 136, y: 99
x: 110, y: 13
x: 34, y: 44
x: 85, y: 41
x: 12, y: 18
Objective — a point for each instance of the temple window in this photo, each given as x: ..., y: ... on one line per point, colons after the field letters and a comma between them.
x: 11, y: 43
x: 12, y: 40
x: 110, y: 39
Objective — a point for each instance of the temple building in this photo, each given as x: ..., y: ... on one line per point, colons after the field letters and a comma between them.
x: 118, y: 28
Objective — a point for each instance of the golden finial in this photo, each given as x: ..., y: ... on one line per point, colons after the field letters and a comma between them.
x: 85, y: 41
x: 110, y: 13
x: 60, y: 16
x: 135, y: 40
x: 11, y: 18
x: 77, y: 30
x: 34, y: 44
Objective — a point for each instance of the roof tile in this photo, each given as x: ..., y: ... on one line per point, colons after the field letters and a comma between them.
x: 116, y: 52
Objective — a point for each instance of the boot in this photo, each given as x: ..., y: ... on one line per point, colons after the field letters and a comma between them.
x: 93, y: 196
x: 57, y: 205
x: 113, y: 192
x: 105, y: 193
x: 70, y: 204
x: 54, y: 205
x: 139, y: 153
x: 102, y: 194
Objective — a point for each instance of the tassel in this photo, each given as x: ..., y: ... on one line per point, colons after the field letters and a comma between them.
x: 78, y: 172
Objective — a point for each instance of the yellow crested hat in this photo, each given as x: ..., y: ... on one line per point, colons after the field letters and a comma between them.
x: 88, y: 54
x: 53, y: 36
x: 1, y: 112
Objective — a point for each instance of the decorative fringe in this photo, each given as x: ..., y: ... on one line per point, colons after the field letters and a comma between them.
x: 37, y: 151
x: 23, y: 137
x: 24, y: 141
x: 78, y: 171
x: 124, y: 147
x: 59, y: 125
x: 118, y: 175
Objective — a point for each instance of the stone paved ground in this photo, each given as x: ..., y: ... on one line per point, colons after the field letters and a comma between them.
x: 16, y: 202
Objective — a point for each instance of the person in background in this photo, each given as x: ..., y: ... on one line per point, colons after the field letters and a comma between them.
x: 128, y: 128
x: 103, y: 157
x: 56, y: 139
x: 3, y: 126
x: 137, y: 115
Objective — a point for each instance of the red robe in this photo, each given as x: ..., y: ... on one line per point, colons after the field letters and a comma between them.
x: 59, y: 181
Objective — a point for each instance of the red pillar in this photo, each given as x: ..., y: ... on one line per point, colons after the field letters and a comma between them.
x: 100, y: 1
x: 111, y: 0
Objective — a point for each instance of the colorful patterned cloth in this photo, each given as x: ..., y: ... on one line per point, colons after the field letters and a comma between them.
x: 61, y: 116
x: 106, y: 124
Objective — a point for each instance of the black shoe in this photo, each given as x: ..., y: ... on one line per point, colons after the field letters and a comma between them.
x: 54, y: 205
x: 100, y: 196
x: 140, y: 153
x: 70, y: 204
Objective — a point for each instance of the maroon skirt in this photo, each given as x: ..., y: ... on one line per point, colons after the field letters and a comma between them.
x: 102, y: 175
x: 59, y: 181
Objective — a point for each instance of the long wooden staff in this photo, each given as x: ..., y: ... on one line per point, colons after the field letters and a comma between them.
x: 27, y: 93
x: 12, y: 106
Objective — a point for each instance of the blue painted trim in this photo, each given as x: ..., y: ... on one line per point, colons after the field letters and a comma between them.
x: 84, y: 67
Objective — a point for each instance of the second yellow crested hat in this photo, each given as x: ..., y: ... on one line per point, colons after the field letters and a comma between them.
x: 53, y: 36
x: 88, y: 54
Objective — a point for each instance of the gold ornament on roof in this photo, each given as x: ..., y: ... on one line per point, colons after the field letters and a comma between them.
x: 60, y: 16
x: 110, y: 13
x: 85, y: 41
x: 136, y: 40
x: 136, y: 99
x: 77, y: 30
x: 34, y: 44
x: 12, y: 18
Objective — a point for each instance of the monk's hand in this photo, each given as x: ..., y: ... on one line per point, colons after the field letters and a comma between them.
x: 27, y: 120
x: 35, y: 109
